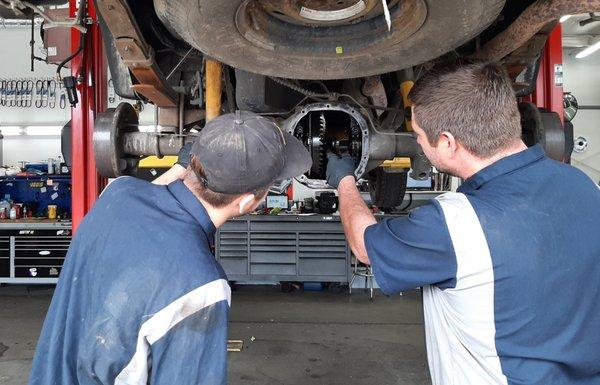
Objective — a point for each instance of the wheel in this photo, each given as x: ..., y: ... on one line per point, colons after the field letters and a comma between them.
x: 543, y: 127
x: 109, y: 128
x: 325, y: 39
x: 65, y: 143
x: 387, y: 189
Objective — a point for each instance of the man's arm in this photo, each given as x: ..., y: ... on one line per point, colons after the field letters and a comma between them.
x: 405, y: 252
x: 356, y: 217
x: 171, y: 175
x: 178, y: 170
x: 355, y: 214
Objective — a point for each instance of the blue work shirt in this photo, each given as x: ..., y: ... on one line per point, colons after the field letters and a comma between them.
x: 141, y: 299
x: 510, y: 269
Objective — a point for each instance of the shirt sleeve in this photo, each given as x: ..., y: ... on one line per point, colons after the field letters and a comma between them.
x: 194, y: 351
x: 412, y: 251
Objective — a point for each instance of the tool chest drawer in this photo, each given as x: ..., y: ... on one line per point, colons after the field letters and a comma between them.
x: 38, y: 271
x: 41, y: 246
x: 4, y: 256
x: 283, y: 248
x: 233, y: 250
x: 33, y: 254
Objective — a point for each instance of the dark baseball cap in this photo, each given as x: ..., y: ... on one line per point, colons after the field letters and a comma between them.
x: 242, y: 152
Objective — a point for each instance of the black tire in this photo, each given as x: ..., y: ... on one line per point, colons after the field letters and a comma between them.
x: 387, y: 189
x: 346, y: 51
x: 66, y: 135
x: 543, y: 127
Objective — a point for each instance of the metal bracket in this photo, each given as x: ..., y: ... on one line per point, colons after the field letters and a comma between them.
x: 137, y: 55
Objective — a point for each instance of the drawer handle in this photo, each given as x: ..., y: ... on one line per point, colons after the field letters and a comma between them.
x: 44, y: 252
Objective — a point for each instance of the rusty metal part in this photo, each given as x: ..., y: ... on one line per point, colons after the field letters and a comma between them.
x: 152, y: 144
x: 137, y: 55
x: 119, y: 146
x: 530, y: 22
x: 214, y: 85
x: 110, y: 129
x: 169, y: 116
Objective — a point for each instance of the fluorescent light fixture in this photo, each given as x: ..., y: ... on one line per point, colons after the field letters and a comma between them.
x: 564, y: 18
x: 589, y: 50
x: 11, y: 130
x: 43, y: 130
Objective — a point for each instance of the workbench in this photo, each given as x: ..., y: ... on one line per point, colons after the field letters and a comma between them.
x: 33, y: 251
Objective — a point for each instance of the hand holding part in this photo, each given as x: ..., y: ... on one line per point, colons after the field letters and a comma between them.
x: 183, y: 158
x: 339, y: 167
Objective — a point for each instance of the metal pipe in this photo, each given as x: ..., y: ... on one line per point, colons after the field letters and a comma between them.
x: 214, y: 73
x: 181, y: 122
x: 383, y: 147
x: 148, y: 144
x: 530, y: 22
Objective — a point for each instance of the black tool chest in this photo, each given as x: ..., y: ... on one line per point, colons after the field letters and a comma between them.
x: 33, y: 252
x: 284, y: 248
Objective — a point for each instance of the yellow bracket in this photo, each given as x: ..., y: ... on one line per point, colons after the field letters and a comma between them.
x: 155, y: 162
x: 397, y: 163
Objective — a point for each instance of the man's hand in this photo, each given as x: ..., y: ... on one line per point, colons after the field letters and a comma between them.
x: 179, y: 168
x: 339, y: 167
x: 183, y: 158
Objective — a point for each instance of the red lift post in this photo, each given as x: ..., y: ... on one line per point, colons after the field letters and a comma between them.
x: 90, y: 68
x: 549, y: 91
x: 92, y: 91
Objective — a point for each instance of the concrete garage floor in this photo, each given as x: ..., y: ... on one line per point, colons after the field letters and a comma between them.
x: 322, y: 338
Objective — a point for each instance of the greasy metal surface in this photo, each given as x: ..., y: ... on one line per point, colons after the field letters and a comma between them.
x: 534, y: 18
x: 109, y: 129
x: 148, y: 143
x: 168, y: 117
x: 136, y: 53
x: 290, y: 125
x: 120, y: 20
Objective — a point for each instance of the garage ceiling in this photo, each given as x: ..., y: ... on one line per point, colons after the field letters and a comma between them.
x: 576, y: 35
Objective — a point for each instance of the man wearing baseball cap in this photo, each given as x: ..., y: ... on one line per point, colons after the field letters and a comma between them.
x: 141, y: 299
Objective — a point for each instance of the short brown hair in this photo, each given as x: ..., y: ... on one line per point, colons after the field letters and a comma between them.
x: 474, y: 102
x: 215, y: 199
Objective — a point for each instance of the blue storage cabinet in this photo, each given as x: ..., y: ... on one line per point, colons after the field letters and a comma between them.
x: 38, y: 192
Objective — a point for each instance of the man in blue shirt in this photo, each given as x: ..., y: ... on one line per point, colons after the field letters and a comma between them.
x: 509, y: 264
x: 141, y: 299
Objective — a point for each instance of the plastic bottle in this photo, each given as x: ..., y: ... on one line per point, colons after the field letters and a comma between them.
x: 13, y: 213
x: 58, y: 164
x: 50, y: 166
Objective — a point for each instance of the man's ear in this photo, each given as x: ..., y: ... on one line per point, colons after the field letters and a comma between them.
x: 448, y: 142
x: 245, y: 201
